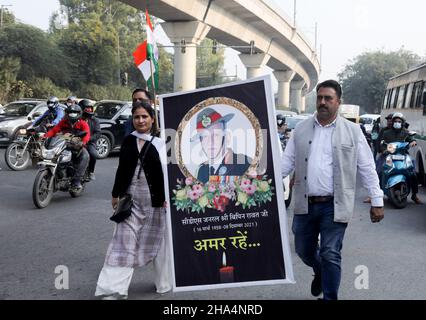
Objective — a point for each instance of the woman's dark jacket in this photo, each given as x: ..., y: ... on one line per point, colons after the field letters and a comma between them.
x: 129, y: 157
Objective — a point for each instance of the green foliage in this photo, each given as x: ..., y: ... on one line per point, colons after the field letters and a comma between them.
x: 100, y: 39
x: 365, y: 78
x: 38, y: 54
x: 209, y: 65
x: 18, y: 90
x: 44, y: 87
x: 8, y: 17
x: 87, y: 49
x: 97, y: 92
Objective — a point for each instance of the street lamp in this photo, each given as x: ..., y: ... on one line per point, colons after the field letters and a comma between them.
x: 1, y: 12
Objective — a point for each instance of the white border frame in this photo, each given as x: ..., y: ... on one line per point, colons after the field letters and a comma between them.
x: 282, y: 213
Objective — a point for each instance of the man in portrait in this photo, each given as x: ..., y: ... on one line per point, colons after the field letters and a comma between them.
x: 222, y: 160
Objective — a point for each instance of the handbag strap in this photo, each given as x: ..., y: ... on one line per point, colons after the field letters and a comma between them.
x: 143, y: 156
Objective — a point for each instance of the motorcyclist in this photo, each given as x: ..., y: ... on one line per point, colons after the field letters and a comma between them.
x: 399, y: 133
x: 71, y: 100
x: 95, y: 132
x: 375, y: 137
x: 282, y: 130
x: 52, y: 116
x: 73, y: 124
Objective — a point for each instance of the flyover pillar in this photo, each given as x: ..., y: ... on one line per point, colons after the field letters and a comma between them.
x: 284, y: 77
x: 297, y: 94
x: 254, y: 63
x: 185, y: 63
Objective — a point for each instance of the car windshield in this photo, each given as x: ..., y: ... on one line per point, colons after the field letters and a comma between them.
x: 107, y: 110
x: 18, y: 109
x: 292, y: 122
x: 366, y: 120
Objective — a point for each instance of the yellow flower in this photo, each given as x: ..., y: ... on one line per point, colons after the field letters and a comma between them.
x: 242, y: 197
x: 264, y: 186
x: 181, y: 195
x: 203, y: 201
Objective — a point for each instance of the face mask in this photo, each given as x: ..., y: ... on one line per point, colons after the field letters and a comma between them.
x: 397, y: 125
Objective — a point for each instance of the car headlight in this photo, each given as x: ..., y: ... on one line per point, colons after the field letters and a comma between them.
x: 22, y: 131
x: 391, y: 148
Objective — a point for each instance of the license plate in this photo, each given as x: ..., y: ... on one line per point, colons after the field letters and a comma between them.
x: 398, y: 157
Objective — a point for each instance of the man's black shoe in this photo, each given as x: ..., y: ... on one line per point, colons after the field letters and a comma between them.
x: 316, y: 286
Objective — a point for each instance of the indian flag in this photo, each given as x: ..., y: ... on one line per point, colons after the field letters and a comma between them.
x: 146, y: 55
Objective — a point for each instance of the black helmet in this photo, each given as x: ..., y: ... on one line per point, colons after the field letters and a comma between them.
x: 280, y: 120
x: 52, y: 102
x: 74, y: 113
x: 87, y: 107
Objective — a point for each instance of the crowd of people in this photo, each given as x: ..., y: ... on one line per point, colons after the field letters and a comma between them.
x: 325, y: 151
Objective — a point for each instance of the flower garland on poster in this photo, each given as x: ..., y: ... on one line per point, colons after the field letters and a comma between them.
x: 248, y: 191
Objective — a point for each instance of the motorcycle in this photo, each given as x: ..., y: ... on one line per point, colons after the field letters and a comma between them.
x: 25, y: 149
x: 57, y: 170
x: 396, y: 173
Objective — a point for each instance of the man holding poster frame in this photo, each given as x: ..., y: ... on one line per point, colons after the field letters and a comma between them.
x: 226, y: 231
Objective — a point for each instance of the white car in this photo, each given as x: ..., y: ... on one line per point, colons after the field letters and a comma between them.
x: 368, y: 121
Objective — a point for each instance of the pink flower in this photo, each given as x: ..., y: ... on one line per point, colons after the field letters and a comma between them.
x: 189, y: 181
x: 250, y: 190
x: 194, y: 196
x: 245, y: 182
x: 198, y: 189
x: 212, y: 188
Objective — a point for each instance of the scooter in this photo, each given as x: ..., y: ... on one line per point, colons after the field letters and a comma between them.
x: 396, y: 173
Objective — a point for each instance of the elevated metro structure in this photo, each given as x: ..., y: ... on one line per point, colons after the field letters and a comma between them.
x: 238, y: 23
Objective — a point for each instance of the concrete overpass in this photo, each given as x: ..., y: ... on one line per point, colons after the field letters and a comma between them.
x: 237, y: 23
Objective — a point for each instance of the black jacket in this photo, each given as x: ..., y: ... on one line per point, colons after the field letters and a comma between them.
x: 129, y: 157
x: 95, y: 129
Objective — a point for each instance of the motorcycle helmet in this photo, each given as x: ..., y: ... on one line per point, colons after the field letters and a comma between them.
x: 52, y: 102
x: 71, y: 100
x: 280, y: 120
x: 398, y: 115
x: 87, y: 107
x: 74, y: 113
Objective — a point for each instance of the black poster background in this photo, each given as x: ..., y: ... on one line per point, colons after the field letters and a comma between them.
x: 264, y: 263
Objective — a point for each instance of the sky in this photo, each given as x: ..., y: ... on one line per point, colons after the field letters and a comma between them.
x: 346, y: 28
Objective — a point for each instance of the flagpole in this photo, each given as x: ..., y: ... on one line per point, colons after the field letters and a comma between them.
x: 155, y: 96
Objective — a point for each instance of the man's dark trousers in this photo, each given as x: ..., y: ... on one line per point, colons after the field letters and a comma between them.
x: 326, y: 257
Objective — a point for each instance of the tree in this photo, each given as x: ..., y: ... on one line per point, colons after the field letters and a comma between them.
x: 364, y: 78
x: 8, y: 17
x: 38, y: 54
x: 100, y: 39
x: 9, y: 68
x: 209, y: 65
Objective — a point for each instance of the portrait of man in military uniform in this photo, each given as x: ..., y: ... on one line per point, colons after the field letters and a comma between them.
x: 213, y: 136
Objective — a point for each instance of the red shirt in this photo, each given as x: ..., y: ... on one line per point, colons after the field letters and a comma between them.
x: 65, y: 126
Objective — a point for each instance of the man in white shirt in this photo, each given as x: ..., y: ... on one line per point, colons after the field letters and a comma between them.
x: 326, y: 152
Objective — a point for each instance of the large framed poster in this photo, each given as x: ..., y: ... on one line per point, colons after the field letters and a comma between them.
x: 226, y: 212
